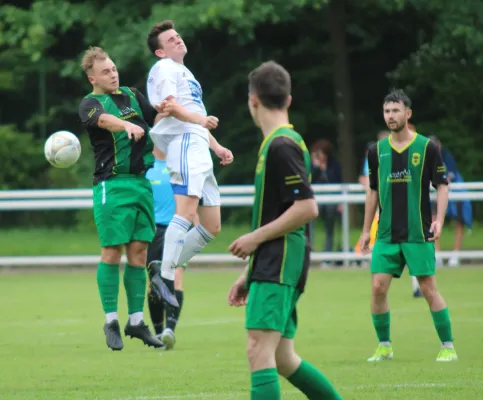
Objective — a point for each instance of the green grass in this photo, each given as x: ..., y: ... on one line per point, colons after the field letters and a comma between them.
x: 43, y: 241
x: 52, y: 344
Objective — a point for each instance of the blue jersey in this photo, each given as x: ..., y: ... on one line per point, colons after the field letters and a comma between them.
x: 164, y: 204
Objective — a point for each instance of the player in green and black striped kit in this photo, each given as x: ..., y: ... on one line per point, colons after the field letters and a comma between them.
x: 118, y: 121
x: 278, y: 245
x: 402, y: 167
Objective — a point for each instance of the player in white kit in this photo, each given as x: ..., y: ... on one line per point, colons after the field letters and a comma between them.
x: 185, y: 138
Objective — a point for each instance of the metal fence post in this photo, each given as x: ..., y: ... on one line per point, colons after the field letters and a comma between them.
x: 345, y: 222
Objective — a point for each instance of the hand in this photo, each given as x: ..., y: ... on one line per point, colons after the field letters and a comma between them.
x: 364, y: 242
x: 238, y: 294
x: 225, y: 155
x: 315, y: 159
x: 244, y: 246
x: 166, y: 106
x: 210, y: 122
x: 436, y: 228
x: 133, y: 131
x: 340, y: 208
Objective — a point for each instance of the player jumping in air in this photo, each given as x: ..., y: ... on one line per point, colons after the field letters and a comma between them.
x: 185, y: 138
x: 278, y: 245
x: 164, y: 209
x: 401, y: 169
x: 118, y: 120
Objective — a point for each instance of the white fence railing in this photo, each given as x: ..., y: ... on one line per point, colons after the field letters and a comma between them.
x: 231, y: 196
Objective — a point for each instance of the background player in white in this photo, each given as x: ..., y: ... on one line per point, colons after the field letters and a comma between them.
x: 185, y: 138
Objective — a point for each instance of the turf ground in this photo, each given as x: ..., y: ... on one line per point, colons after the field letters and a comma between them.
x: 52, y: 344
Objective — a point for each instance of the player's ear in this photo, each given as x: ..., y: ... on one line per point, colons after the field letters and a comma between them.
x: 92, y: 80
x: 409, y: 113
x: 253, y: 100
x: 160, y: 53
x: 289, y: 101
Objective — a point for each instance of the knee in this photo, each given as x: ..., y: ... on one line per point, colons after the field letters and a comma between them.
x: 429, y: 289
x: 214, y: 228
x: 111, y: 254
x: 379, y: 288
x: 259, y: 356
x: 137, y: 254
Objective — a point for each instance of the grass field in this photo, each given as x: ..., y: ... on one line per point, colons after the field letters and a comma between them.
x: 72, y: 242
x: 52, y: 344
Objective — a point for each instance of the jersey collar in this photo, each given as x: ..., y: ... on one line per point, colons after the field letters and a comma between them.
x: 265, y: 141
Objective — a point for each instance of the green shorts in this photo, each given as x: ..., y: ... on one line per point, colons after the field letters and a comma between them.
x: 124, y: 210
x: 272, y: 307
x: 390, y: 258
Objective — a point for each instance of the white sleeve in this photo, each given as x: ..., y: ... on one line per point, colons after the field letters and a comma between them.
x: 166, y: 83
x: 162, y: 84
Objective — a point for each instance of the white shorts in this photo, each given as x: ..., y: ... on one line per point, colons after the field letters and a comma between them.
x: 191, y: 168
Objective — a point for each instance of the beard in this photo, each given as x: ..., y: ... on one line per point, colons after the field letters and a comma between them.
x: 395, y: 126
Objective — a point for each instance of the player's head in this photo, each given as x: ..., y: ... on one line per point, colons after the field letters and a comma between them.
x: 397, y: 110
x: 269, y: 88
x: 100, y: 70
x: 322, y: 150
x: 165, y: 42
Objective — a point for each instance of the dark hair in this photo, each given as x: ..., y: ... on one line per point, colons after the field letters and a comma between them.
x: 271, y: 83
x: 323, y: 145
x: 398, y: 96
x: 156, y: 30
x: 435, y: 140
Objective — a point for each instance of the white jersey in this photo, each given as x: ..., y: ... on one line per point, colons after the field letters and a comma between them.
x: 169, y: 78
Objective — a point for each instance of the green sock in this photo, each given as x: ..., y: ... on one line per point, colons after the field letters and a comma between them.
x: 442, y: 323
x: 265, y: 385
x: 382, y: 324
x: 108, y: 284
x: 135, y: 285
x: 311, y: 382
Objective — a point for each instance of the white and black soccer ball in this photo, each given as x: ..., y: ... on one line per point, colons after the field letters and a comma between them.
x: 62, y: 149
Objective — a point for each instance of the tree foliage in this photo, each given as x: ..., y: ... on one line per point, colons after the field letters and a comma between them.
x: 431, y: 48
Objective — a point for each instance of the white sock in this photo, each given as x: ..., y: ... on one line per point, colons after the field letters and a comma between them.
x: 195, y: 241
x: 136, y: 318
x: 111, y: 316
x: 415, y: 283
x: 387, y: 344
x: 173, y: 244
x: 447, y: 345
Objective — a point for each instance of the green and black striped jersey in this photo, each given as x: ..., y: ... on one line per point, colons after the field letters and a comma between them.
x: 402, y: 178
x: 282, y: 176
x: 114, y: 152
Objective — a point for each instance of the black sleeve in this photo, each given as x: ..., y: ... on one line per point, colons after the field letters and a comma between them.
x: 89, y: 112
x: 149, y: 112
x: 286, y: 161
x: 373, y: 162
x: 434, y: 163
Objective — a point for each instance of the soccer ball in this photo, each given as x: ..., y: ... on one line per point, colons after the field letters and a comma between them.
x: 62, y: 149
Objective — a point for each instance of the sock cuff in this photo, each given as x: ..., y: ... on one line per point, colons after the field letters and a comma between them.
x: 207, y: 236
x: 293, y: 377
x: 108, y: 265
x: 133, y: 269
x: 441, y: 314
x: 264, y: 376
x: 182, y: 222
x: 381, y: 317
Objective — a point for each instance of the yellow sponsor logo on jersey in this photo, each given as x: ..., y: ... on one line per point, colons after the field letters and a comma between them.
x: 416, y: 159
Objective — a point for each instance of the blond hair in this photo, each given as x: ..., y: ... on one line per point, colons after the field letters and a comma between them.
x: 92, y: 55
